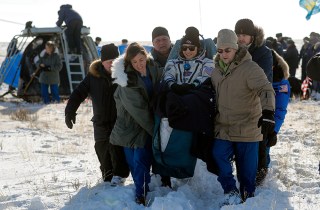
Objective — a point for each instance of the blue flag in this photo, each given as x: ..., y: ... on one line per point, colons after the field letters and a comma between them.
x: 312, y: 6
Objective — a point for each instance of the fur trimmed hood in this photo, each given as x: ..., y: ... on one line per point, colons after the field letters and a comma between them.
x: 279, y: 64
x: 259, y: 38
x: 95, y: 67
x: 117, y: 72
x: 120, y: 74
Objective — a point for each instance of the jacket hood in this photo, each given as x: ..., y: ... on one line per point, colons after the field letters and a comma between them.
x: 279, y: 64
x: 118, y: 72
x: 95, y: 67
x: 259, y: 38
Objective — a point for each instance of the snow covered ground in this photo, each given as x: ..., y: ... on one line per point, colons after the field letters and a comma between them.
x: 45, y: 165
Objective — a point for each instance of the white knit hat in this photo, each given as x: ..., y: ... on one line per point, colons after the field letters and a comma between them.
x: 227, y: 38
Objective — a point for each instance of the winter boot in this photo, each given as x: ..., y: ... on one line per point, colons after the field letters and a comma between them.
x: 166, y: 182
x: 261, y: 175
x: 117, y: 180
x: 106, y: 175
x: 246, y: 195
x: 232, y: 198
x: 141, y: 200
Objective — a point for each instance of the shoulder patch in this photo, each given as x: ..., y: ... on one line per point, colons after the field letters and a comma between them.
x: 283, y: 88
x: 208, y: 70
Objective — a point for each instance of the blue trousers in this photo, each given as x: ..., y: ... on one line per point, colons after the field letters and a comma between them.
x: 54, y: 91
x: 246, y: 155
x: 139, y: 161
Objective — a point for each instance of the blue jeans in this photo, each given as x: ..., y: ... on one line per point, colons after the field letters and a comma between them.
x: 246, y: 155
x: 139, y: 161
x: 54, y: 91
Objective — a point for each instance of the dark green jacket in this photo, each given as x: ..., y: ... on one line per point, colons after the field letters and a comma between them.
x: 51, y: 76
x: 135, y: 120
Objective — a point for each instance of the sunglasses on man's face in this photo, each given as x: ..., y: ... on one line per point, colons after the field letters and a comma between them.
x: 227, y: 50
x: 191, y: 48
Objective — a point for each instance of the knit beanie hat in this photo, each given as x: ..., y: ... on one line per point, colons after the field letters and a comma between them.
x: 245, y: 26
x: 159, y: 31
x: 227, y: 38
x: 108, y: 52
x: 191, y: 37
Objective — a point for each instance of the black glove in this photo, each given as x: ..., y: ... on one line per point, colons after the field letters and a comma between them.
x: 70, y: 119
x: 46, y: 68
x: 272, y: 139
x: 266, y: 122
x: 182, y: 89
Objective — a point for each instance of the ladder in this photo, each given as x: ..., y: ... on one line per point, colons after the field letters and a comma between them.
x: 75, y: 70
x: 74, y: 65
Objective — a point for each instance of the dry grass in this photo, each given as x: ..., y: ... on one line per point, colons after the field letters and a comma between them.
x: 23, y: 115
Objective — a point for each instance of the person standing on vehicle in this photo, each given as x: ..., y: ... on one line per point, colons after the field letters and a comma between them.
x: 74, y: 23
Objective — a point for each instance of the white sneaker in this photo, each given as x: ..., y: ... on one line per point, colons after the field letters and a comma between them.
x: 117, y: 180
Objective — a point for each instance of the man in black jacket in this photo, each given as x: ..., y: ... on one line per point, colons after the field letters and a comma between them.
x: 99, y: 85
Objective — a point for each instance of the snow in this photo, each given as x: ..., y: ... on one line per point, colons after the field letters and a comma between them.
x: 45, y: 165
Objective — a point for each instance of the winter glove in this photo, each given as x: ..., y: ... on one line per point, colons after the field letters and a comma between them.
x: 272, y: 139
x: 266, y: 122
x: 46, y: 68
x: 70, y: 119
x: 182, y: 89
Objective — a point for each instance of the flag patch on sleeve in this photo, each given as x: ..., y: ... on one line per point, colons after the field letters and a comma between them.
x: 283, y: 88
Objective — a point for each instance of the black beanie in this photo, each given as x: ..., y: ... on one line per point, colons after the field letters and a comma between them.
x: 159, y: 31
x: 108, y: 52
x: 191, y: 37
x: 245, y: 26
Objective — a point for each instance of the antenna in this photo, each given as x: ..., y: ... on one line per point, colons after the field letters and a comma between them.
x: 200, y: 14
x: 9, y: 21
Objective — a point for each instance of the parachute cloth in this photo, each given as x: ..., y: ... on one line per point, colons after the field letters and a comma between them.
x: 312, y: 6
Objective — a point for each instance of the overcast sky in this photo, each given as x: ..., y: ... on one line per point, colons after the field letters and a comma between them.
x: 134, y: 20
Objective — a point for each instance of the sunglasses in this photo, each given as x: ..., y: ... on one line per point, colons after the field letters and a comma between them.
x: 227, y: 50
x: 191, y: 48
